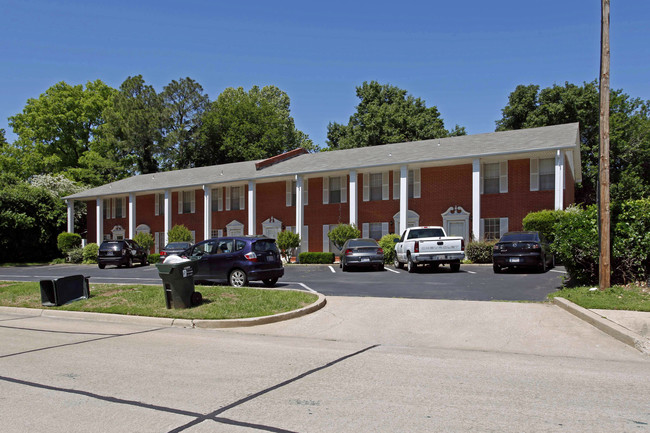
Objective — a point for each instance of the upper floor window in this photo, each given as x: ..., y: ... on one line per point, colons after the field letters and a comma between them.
x: 186, y: 202
x: 413, y: 182
x: 235, y: 198
x: 547, y: 174
x: 491, y: 178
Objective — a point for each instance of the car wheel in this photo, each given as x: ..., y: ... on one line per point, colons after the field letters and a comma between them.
x: 129, y: 263
x: 397, y: 263
x: 455, y: 267
x: 552, y: 261
x: 410, y: 266
x: 344, y: 267
x: 542, y: 267
x: 145, y: 261
x: 196, y: 298
x: 270, y: 282
x: 496, y: 268
x: 101, y: 266
x: 238, y: 278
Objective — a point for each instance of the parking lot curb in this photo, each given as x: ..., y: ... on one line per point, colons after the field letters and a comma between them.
x: 612, y: 329
x: 166, y: 321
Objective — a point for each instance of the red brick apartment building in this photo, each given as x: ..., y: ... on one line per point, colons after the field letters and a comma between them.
x: 476, y: 186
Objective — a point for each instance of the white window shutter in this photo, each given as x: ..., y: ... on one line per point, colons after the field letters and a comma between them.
x: 193, y: 202
x: 157, y: 208
x: 304, y: 242
x: 366, y: 186
x: 534, y: 174
x: 482, y: 173
x: 396, y: 176
x: 305, y: 192
x: 180, y: 202
x: 503, y: 226
x: 219, y: 199
x: 384, y: 229
x: 288, y: 193
x: 326, y: 239
x: 481, y: 234
x: 503, y: 176
x: 242, y: 197
x: 365, y: 230
x: 344, y: 189
x: 384, y: 185
x: 416, y: 183
x: 326, y: 190
x: 227, y: 198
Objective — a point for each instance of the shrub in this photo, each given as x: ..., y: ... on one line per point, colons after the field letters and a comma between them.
x: 154, y: 258
x: 75, y: 255
x: 387, y: 243
x: 543, y: 222
x: 58, y: 261
x: 68, y: 241
x: 179, y: 233
x: 342, y: 233
x: 287, y: 241
x: 90, y: 253
x: 145, y: 240
x: 479, y: 252
x: 576, y: 244
x: 631, y: 241
x: 316, y: 258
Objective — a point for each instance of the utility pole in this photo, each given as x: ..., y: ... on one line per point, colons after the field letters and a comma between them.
x: 603, y: 199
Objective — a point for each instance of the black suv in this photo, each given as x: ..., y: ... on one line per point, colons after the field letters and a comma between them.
x: 121, y: 253
x: 238, y: 260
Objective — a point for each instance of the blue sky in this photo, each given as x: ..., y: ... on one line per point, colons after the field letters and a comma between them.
x: 464, y: 57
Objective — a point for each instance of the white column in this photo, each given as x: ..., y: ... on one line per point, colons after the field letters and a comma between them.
x: 70, y: 204
x: 207, y: 212
x: 100, y: 220
x: 354, y: 199
x: 403, y: 199
x: 300, y: 208
x: 476, y: 199
x: 559, y: 180
x: 251, y: 208
x: 131, y: 215
x: 168, y: 214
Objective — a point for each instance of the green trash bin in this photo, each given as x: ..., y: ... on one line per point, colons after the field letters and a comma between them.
x: 178, y: 283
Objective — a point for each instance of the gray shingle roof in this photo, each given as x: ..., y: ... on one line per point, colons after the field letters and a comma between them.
x: 547, y: 138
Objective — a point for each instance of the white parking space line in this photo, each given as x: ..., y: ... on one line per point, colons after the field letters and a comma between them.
x: 332, y: 269
x: 470, y: 272
x: 392, y: 270
x: 559, y: 272
x: 305, y: 286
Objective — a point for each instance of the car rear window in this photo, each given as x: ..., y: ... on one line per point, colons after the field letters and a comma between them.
x: 265, y: 245
x: 111, y: 246
x: 519, y: 237
x: 178, y: 245
x: 362, y: 243
x: 426, y: 233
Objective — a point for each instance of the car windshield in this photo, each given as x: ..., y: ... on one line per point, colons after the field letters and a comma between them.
x: 265, y: 245
x: 110, y: 246
x: 519, y: 237
x: 426, y: 233
x: 177, y: 245
x: 362, y: 243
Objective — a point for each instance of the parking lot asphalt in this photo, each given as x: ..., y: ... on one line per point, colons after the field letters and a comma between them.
x: 473, y: 282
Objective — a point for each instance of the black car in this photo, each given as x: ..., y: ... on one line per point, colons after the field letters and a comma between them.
x: 121, y: 253
x: 361, y: 253
x: 522, y: 250
x: 174, y: 248
x: 238, y: 260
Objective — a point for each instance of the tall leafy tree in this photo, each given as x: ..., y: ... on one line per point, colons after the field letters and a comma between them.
x: 388, y: 114
x: 243, y: 126
x: 529, y: 107
x: 57, y: 129
x: 185, y: 104
x: 134, y: 126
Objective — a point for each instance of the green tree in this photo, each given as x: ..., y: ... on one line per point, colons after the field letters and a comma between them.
x: 134, y: 126
x: 342, y: 233
x: 57, y: 129
x: 244, y: 126
x: 287, y: 242
x: 179, y: 233
x: 145, y: 240
x: 387, y: 114
x: 528, y: 107
x: 185, y: 104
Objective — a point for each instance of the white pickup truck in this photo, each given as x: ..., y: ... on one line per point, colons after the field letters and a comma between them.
x: 428, y: 245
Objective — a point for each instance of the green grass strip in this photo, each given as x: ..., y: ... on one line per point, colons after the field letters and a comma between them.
x: 634, y: 298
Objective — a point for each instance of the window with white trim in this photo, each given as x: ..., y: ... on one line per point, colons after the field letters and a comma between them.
x: 547, y: 174
x: 491, y: 229
x: 159, y: 206
x: 235, y: 198
x: 107, y: 208
x: 413, y: 180
x: 375, y: 186
x: 491, y: 178
x: 187, y: 202
x: 335, y: 189
x: 216, y: 233
x: 216, y: 199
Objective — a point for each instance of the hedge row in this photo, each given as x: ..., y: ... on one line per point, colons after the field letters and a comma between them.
x: 479, y: 252
x: 316, y: 258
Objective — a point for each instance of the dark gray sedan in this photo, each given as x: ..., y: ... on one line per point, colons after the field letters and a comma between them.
x: 361, y: 253
x: 522, y: 250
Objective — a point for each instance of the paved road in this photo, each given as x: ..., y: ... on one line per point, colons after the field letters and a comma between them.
x: 473, y: 282
x: 357, y: 365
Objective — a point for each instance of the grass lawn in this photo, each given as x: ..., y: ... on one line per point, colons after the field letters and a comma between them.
x: 630, y: 297
x: 219, y: 302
